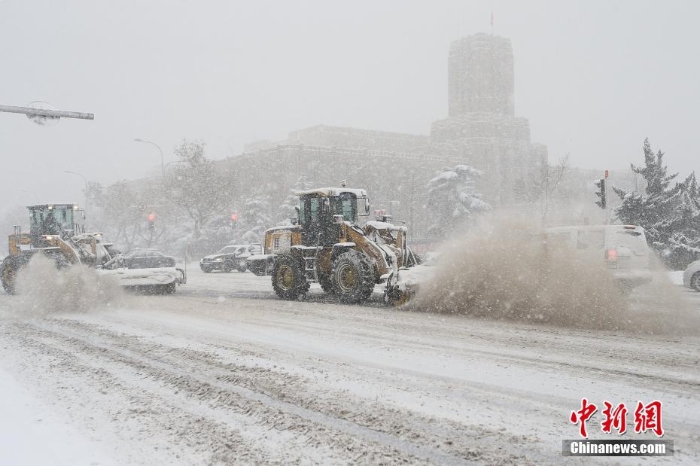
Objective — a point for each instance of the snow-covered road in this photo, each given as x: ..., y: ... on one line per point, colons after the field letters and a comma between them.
x: 223, y: 372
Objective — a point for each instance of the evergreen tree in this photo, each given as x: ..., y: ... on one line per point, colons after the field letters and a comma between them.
x: 654, y: 208
x: 253, y: 220
x: 684, y: 243
x: 453, y: 199
x: 670, y: 215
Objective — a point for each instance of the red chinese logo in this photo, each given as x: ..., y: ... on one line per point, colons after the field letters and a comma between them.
x: 614, y: 418
x: 582, y: 415
x: 646, y: 417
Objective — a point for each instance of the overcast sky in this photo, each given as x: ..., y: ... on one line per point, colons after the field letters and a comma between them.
x: 594, y: 78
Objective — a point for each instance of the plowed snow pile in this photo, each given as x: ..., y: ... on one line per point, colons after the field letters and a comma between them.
x: 507, y: 271
x: 42, y: 289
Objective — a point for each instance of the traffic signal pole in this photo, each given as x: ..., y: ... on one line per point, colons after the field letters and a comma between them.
x: 40, y: 112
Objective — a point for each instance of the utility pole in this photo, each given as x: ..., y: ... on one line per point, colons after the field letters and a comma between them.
x: 412, y: 225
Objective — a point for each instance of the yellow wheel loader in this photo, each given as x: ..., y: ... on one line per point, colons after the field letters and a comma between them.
x: 55, y: 232
x: 325, y: 245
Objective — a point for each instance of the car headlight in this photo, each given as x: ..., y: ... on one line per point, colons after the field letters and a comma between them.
x: 218, y: 259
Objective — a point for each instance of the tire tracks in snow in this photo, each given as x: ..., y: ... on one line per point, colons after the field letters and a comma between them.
x: 266, y: 405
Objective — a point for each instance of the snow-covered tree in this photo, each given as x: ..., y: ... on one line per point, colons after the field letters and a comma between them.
x: 669, y: 214
x: 453, y: 199
x: 217, y: 233
x: 683, y: 245
x: 546, y: 185
x: 121, y: 210
x: 253, y: 220
x: 287, y: 209
x: 198, y: 186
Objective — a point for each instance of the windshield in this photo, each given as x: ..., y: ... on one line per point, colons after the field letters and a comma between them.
x: 310, y: 208
x: 346, y: 205
x: 44, y: 219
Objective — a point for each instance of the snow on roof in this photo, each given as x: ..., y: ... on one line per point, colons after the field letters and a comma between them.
x: 377, y: 225
x: 332, y: 192
x: 283, y: 227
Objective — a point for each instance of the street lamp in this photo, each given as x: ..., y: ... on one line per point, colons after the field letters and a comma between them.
x: 162, y: 159
x: 86, y: 186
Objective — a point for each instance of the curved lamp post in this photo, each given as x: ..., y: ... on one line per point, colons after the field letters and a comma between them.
x: 162, y: 159
x: 86, y: 186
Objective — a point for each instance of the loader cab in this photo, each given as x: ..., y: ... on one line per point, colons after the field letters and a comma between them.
x: 53, y: 219
x: 321, y: 213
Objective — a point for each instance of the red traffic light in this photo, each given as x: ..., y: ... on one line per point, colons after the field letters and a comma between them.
x: 234, y: 217
x: 151, y: 217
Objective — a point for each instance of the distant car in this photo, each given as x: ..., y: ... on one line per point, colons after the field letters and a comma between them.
x: 147, y: 259
x: 229, y: 258
x: 623, y: 248
x: 691, y: 276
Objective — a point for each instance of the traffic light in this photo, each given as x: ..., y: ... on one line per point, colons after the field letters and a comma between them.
x: 600, y: 184
x: 152, y: 221
x: 234, y: 219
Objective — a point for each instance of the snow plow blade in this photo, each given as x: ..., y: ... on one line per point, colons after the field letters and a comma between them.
x: 403, y: 284
x: 163, y: 280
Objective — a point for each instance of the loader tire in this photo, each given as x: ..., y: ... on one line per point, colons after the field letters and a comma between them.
x: 353, y: 277
x: 8, y: 274
x: 326, y: 283
x: 288, y: 278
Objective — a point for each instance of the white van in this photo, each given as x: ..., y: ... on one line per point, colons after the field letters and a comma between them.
x: 623, y: 247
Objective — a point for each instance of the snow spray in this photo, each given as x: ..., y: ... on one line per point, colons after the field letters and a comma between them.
x: 43, y: 289
x: 506, y: 270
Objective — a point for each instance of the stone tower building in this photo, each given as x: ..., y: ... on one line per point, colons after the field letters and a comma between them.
x: 481, y: 124
x: 480, y: 76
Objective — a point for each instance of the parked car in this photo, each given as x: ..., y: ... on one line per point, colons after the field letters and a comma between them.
x: 623, y: 248
x: 229, y: 258
x: 691, y: 276
x: 147, y: 259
